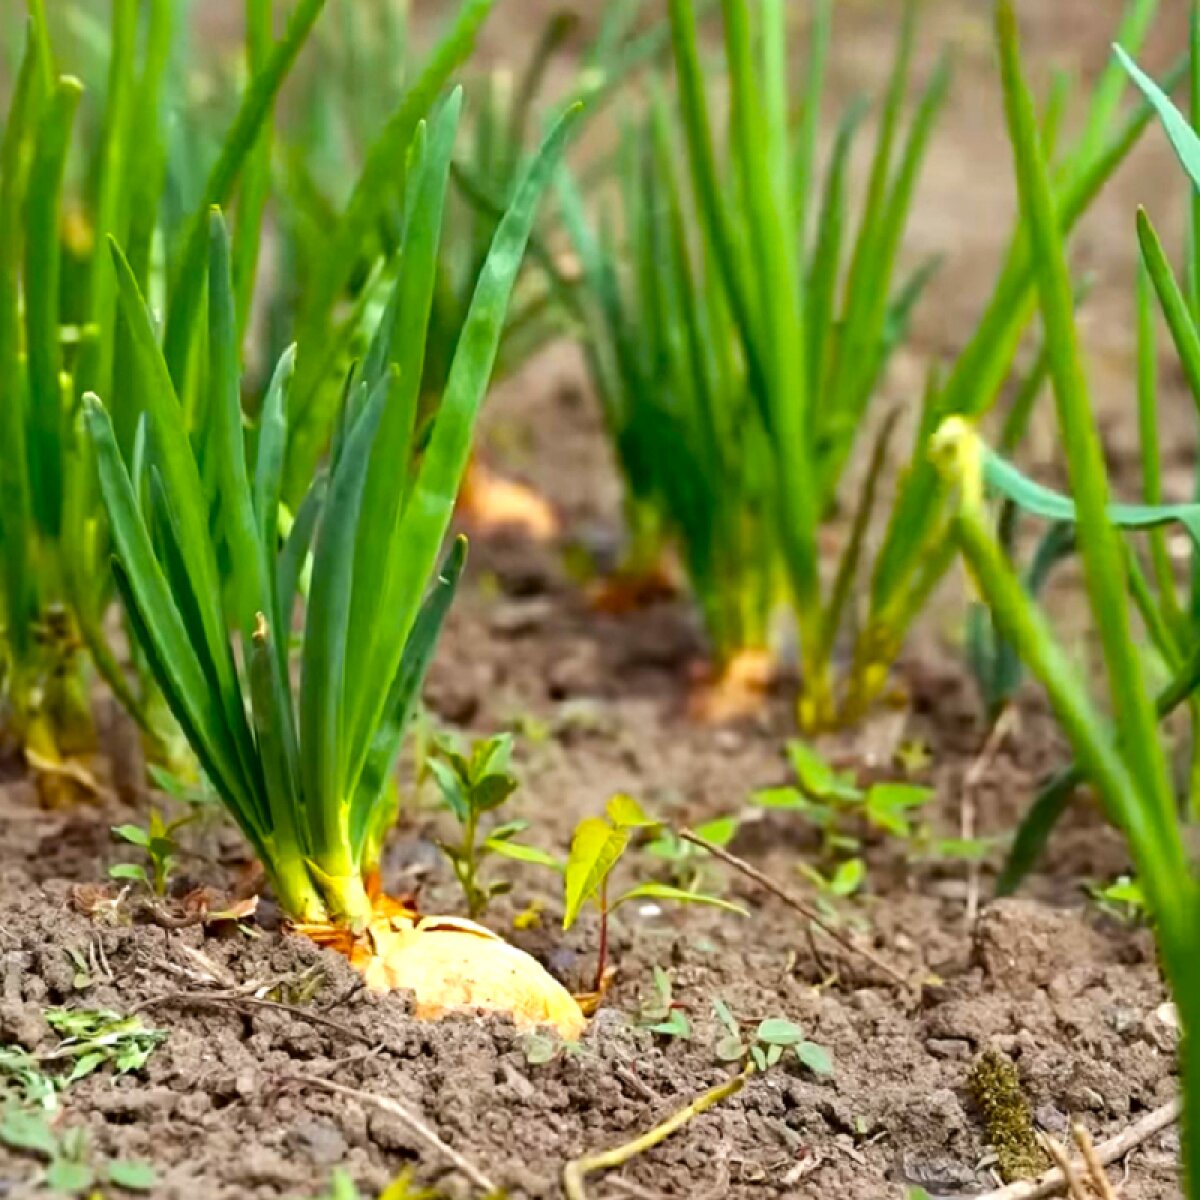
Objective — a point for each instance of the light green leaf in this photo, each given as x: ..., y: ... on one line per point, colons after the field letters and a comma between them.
x: 595, y: 850
x: 624, y: 811
x: 816, y: 1058
x: 777, y: 1031
x: 522, y: 853
x: 664, y: 891
x: 1182, y: 136
x: 132, y: 1174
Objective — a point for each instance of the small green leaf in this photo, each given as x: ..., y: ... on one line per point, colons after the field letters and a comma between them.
x: 777, y: 1031
x: 85, y: 1064
x: 774, y: 1054
x: 134, y: 834
x: 132, y: 1174
x: 782, y: 797
x: 664, y: 891
x: 730, y: 1049
x: 816, y: 776
x: 519, y: 852
x: 626, y: 813
x: 502, y: 833
x: 898, y: 796
x: 720, y: 832
x: 63, y: 1175
x: 721, y: 1009
x: 491, y: 792
x: 451, y: 786
x: 759, y: 1056
x: 595, y: 850
x: 816, y: 1058
x: 848, y: 878
x: 676, y: 1025
x: 129, y: 871
x: 539, y: 1049
x: 28, y: 1131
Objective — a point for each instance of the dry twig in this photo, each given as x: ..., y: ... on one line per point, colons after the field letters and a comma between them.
x: 576, y: 1171
x: 1054, y: 1182
x: 237, y: 998
x: 810, y: 914
x: 415, y: 1123
x: 970, y: 789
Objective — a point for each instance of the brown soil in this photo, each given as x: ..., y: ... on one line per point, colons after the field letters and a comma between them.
x: 1073, y: 996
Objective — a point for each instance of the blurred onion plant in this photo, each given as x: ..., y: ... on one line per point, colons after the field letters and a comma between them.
x: 739, y: 322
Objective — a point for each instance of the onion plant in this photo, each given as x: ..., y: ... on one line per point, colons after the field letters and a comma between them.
x: 209, y: 582
x: 737, y: 362
x: 60, y: 335
x: 1123, y: 757
x: 1167, y: 612
x: 913, y: 556
x: 367, y: 67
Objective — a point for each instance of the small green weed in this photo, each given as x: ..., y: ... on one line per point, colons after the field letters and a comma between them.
x: 597, y: 846
x: 842, y: 811
x: 473, y: 784
x: 771, y: 1039
x: 661, y: 1014
x: 1122, y: 899
x: 685, y: 860
x: 88, y: 1040
x: 158, y: 842
x: 70, y: 1167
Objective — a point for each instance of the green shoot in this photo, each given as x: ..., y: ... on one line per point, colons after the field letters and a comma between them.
x: 70, y: 1167
x: 473, y: 785
x: 303, y: 769
x: 767, y: 1044
x: 1122, y: 899
x: 661, y: 1014
x: 88, y: 1040
x: 1128, y: 770
x: 843, y: 812
x: 161, y: 848
x: 685, y: 861
x: 598, y: 845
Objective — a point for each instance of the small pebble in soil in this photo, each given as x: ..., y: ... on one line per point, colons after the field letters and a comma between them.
x: 318, y: 1140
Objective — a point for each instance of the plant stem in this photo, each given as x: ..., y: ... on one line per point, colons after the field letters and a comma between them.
x: 602, y: 949
x: 576, y: 1171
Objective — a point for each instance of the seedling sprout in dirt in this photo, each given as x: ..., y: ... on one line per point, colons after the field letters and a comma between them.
x: 69, y: 1166
x: 474, y: 785
x: 597, y: 846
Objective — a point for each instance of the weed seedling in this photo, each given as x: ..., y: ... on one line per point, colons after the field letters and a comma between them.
x: 662, y: 1015
x: 685, y: 860
x: 542, y: 1048
x: 92, y: 1038
x: 70, y: 1167
x: 596, y: 848
x: 89, y: 1039
x: 473, y: 785
x: 1123, y: 899
x: 161, y: 849
x: 772, y: 1038
x: 840, y: 809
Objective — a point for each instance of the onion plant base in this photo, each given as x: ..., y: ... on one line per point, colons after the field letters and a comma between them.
x: 738, y: 689
x: 452, y: 965
x: 630, y: 591
x: 488, y: 502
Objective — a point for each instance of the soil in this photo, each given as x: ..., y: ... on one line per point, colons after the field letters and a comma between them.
x: 224, y: 1109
